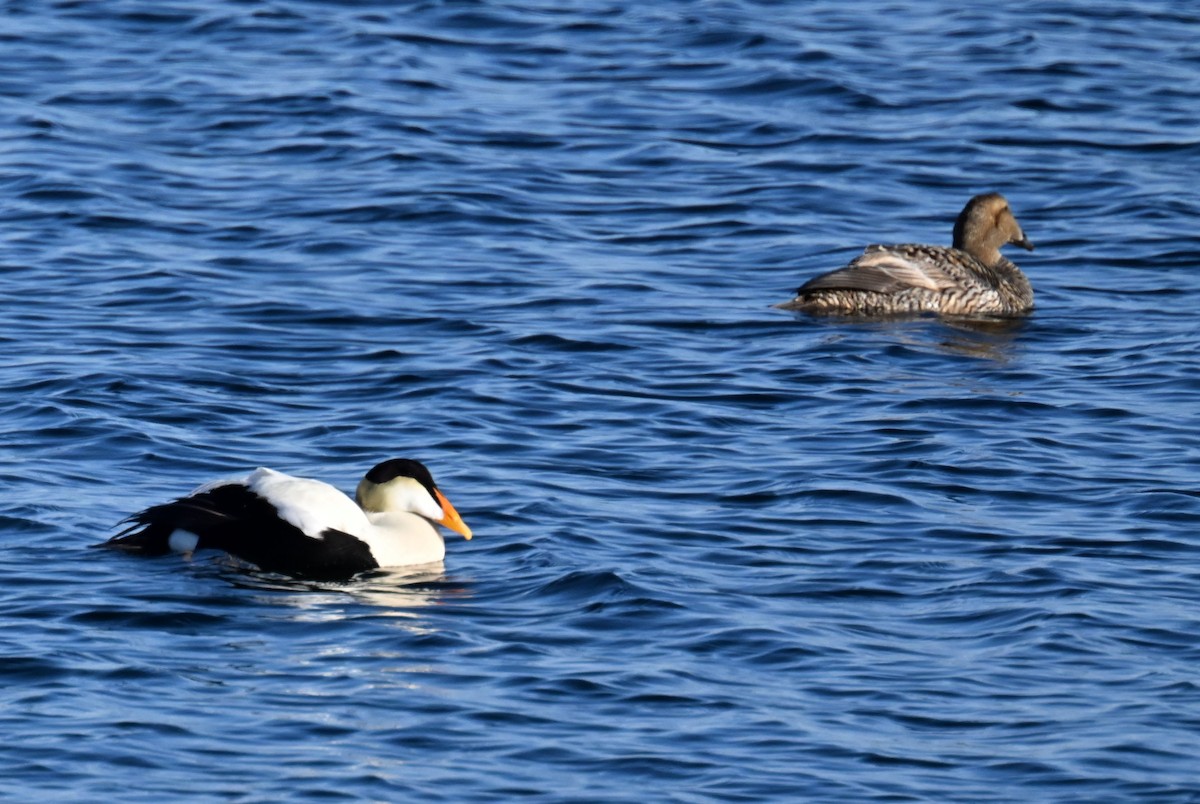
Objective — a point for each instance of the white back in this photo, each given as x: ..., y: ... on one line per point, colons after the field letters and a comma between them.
x: 308, y: 504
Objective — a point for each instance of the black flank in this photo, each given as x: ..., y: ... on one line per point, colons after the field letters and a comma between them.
x: 234, y: 519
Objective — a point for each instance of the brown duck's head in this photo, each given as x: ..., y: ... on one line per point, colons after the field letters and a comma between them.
x: 985, y: 224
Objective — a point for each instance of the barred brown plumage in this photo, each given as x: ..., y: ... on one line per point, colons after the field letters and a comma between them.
x: 969, y: 278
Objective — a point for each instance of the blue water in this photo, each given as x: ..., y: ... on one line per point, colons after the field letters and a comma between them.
x: 723, y: 552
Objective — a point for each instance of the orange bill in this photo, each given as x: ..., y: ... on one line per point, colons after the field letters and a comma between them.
x: 450, y: 517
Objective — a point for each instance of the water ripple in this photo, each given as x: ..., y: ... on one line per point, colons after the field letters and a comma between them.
x: 723, y: 553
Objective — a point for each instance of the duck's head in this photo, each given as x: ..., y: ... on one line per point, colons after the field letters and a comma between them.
x: 402, y: 484
x: 985, y: 224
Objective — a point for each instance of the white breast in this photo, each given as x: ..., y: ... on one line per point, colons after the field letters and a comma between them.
x: 398, y: 539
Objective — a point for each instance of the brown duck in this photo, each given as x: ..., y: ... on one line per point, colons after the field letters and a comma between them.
x: 970, y: 278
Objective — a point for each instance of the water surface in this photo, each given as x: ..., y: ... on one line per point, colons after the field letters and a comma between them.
x: 722, y: 552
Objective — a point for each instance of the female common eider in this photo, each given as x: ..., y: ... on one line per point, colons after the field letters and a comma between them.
x: 302, y: 527
x: 971, y: 278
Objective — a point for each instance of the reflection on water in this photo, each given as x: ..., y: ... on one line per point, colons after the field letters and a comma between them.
x: 395, y: 592
x: 982, y: 337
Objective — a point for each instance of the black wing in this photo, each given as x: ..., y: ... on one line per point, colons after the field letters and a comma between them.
x: 234, y: 519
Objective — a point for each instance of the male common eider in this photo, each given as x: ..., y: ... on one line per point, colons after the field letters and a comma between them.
x: 971, y: 278
x: 302, y: 527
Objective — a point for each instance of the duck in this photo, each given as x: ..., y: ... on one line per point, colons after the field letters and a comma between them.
x: 970, y: 278
x: 302, y: 527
